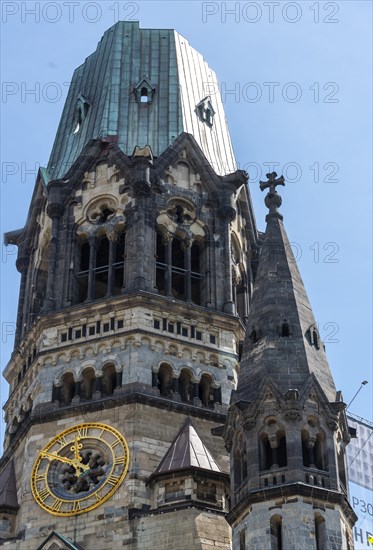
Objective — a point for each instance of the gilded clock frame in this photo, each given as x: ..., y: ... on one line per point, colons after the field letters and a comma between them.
x: 39, y: 481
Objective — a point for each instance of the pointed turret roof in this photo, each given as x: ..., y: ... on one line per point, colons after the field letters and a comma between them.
x: 282, y: 341
x: 8, y: 489
x: 187, y: 451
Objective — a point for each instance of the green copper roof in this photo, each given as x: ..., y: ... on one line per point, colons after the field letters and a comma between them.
x: 104, y: 98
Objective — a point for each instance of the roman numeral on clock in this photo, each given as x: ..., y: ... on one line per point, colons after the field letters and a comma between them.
x: 39, y: 477
x: 113, y: 480
x: 57, y: 505
x: 44, y: 494
x: 62, y: 441
x: 83, y: 432
x: 76, y: 506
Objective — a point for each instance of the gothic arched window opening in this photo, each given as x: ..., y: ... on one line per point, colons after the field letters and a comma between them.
x: 276, y: 532
x: 320, y: 532
x: 109, y: 379
x: 67, y: 388
x: 240, y: 462
x: 144, y: 98
x: 87, y: 386
x: 195, y: 274
x: 272, y: 456
x: 164, y: 380
x: 243, y: 539
x: 314, y: 453
x: 342, y: 470
x: 101, y: 268
x: 205, y: 391
x: 178, y: 269
x: 285, y: 330
x: 185, y: 385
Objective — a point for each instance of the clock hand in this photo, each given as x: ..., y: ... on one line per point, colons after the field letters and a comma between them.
x: 72, y: 462
x: 76, y: 448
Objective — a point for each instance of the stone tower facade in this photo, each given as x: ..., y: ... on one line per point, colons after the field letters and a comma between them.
x: 286, y: 428
x: 137, y: 262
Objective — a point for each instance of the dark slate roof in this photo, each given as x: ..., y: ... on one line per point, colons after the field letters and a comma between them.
x: 279, y: 295
x: 8, y: 489
x: 106, y: 83
x: 60, y: 539
x: 187, y: 451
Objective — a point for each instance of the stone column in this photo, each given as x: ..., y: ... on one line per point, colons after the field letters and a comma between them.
x: 97, y: 393
x: 112, y: 243
x: 76, y: 398
x: 195, y: 392
x: 22, y: 264
x: 187, y: 246
x: 176, y: 389
x: 91, y: 272
x: 154, y: 379
x: 142, y: 188
x: 56, y: 392
x: 227, y: 214
x: 167, y: 239
x: 54, y: 211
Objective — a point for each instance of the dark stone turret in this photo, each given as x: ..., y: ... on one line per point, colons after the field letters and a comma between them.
x: 282, y: 340
x: 286, y: 428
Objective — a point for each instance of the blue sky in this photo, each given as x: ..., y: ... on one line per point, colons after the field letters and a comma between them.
x: 296, y: 84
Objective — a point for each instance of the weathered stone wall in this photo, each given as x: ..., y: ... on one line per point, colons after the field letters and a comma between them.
x: 149, y: 433
x: 299, y: 517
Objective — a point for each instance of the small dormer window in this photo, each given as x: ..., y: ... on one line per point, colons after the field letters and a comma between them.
x: 144, y: 95
x: 81, y: 113
x: 205, y: 111
x: 144, y: 91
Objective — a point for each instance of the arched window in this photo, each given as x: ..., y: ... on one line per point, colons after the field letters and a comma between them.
x: 272, y: 456
x: 196, y: 277
x: 87, y: 384
x: 102, y: 268
x: 161, y: 265
x: 276, y: 532
x: 342, y: 469
x: 185, y: 385
x: 253, y: 336
x: 120, y: 247
x: 67, y: 388
x: 243, y: 539
x: 101, y: 262
x: 285, y: 330
x: 178, y: 268
x: 144, y: 98
x: 320, y: 532
x: 315, y: 339
x: 205, y: 391
x: 164, y: 380
x: 315, y: 452
x: 240, y: 462
x: 83, y: 272
x: 109, y: 379
x: 265, y: 453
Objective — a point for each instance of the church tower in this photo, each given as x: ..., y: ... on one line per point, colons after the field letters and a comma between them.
x: 137, y: 262
x: 286, y: 428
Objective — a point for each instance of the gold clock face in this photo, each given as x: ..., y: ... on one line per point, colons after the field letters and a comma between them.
x: 79, y: 469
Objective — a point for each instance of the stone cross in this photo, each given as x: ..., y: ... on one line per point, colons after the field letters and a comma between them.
x: 272, y: 182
